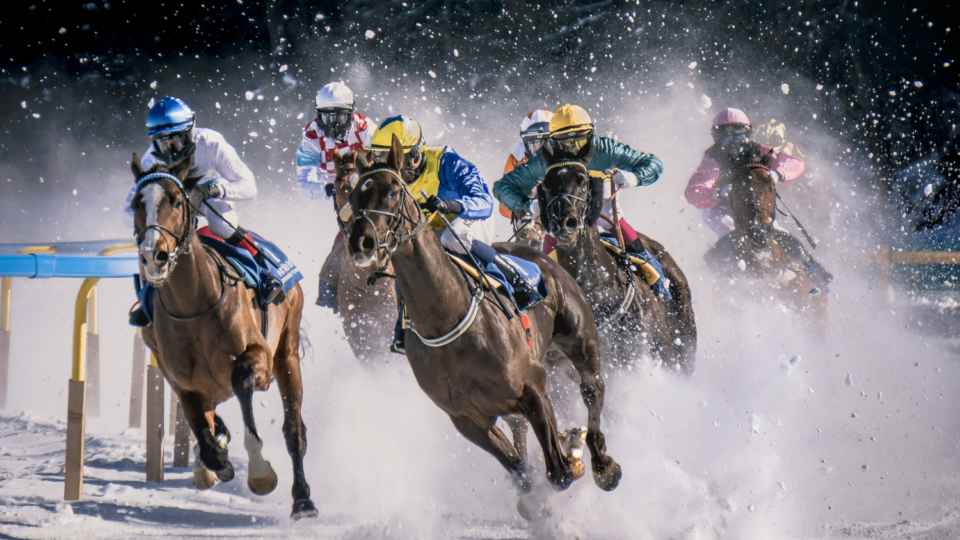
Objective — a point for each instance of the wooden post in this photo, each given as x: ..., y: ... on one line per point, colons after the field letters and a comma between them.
x: 76, y: 427
x: 93, y: 356
x: 154, y: 429
x: 181, y: 440
x: 76, y: 399
x: 136, y: 381
x: 5, y: 284
x: 172, y: 413
x: 883, y: 259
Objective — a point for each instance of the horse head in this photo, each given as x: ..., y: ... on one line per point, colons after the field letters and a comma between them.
x: 752, y: 195
x: 163, y: 216
x: 383, y: 210
x: 347, y: 174
x: 569, y: 196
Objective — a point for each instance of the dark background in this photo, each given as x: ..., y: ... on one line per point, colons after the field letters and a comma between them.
x: 888, y: 69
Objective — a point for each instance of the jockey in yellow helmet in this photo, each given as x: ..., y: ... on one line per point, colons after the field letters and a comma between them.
x: 455, y: 188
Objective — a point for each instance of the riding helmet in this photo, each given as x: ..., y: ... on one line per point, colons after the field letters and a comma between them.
x: 168, y: 116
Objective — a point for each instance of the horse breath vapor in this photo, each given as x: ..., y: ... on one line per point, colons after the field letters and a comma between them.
x: 752, y: 447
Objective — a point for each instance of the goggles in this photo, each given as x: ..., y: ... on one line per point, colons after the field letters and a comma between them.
x: 173, y: 141
x: 411, y: 157
x: 571, y: 142
x: 729, y: 140
x: 534, y: 142
x: 334, y: 117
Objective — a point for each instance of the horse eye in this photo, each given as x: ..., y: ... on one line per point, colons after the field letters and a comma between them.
x: 393, y: 195
x: 178, y: 205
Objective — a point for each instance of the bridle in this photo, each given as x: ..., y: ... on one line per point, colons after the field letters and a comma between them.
x: 181, y: 246
x: 551, y: 210
x: 391, y: 239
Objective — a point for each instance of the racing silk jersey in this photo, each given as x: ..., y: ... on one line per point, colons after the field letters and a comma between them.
x: 700, y: 191
x: 512, y: 190
x: 518, y: 156
x: 315, y: 166
x: 452, y: 178
x: 215, y: 161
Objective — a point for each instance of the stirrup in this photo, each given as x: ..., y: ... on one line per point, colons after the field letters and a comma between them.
x: 271, y: 290
x: 137, y: 317
x: 398, y: 346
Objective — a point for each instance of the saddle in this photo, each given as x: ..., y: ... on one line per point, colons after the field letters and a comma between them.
x: 643, y: 264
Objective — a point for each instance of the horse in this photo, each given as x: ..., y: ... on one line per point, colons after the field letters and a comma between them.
x: 572, y: 200
x: 368, y: 309
x: 207, y: 337
x: 753, y: 245
x: 486, y: 365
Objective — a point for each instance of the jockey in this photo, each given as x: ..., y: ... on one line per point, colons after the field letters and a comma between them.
x: 571, y: 128
x: 534, y: 132
x: 337, y: 126
x: 732, y: 127
x: 224, y: 177
x: 455, y: 188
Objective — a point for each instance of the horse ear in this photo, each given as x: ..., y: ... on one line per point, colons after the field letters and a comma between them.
x: 547, y: 150
x: 395, y: 157
x: 362, y: 162
x: 337, y: 159
x: 136, y: 167
x: 586, y: 153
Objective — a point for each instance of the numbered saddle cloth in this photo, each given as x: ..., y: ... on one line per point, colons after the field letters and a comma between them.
x: 647, y: 266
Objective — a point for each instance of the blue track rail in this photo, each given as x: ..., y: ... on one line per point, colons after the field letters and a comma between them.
x: 42, y: 266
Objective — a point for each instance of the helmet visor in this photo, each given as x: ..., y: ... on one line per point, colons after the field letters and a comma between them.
x: 333, y: 118
x: 411, y: 157
x: 571, y: 142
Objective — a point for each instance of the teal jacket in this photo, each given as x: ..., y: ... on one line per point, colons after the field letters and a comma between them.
x: 513, y: 188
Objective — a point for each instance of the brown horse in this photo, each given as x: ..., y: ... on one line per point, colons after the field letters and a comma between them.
x: 754, y: 245
x: 483, y: 366
x: 631, y: 316
x: 368, y: 310
x: 207, y: 337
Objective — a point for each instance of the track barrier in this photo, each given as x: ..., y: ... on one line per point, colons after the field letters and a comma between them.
x: 887, y: 257
x: 77, y: 260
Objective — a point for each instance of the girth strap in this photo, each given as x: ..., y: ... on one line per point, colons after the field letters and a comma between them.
x: 624, y: 306
x: 459, y: 329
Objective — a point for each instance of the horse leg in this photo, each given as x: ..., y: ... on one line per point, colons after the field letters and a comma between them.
x: 261, y: 479
x: 490, y: 438
x: 287, y: 372
x: 679, y: 309
x: 585, y: 357
x: 561, y: 470
x: 212, y: 437
x: 518, y: 428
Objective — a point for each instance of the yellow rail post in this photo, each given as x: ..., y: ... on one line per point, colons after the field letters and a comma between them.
x: 154, y: 429
x: 76, y: 399
x: 6, y: 285
x: 4, y: 338
x: 93, y: 356
x: 136, y: 382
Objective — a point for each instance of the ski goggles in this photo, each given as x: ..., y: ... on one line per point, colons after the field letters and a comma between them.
x: 334, y: 117
x: 411, y: 157
x: 571, y: 142
x: 175, y: 141
x: 533, y: 143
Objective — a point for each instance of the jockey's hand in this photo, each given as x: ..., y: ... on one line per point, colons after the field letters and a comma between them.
x: 776, y: 176
x: 623, y: 178
x: 329, y: 189
x: 436, y: 204
x: 534, y: 209
x: 202, y: 192
x: 722, y: 193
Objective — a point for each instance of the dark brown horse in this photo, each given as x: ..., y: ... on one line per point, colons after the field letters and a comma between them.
x: 630, y: 315
x: 368, y: 310
x: 207, y: 337
x: 467, y: 355
x: 753, y: 245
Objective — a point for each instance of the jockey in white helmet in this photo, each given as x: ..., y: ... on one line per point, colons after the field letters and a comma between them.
x: 336, y: 126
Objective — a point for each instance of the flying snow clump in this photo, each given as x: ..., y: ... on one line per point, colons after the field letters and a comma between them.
x: 706, y: 102
x: 249, y: 95
x: 283, y: 68
x: 692, y: 65
x: 370, y: 34
x: 785, y: 88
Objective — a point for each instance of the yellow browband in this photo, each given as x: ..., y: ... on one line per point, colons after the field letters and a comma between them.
x: 564, y: 164
x: 380, y: 169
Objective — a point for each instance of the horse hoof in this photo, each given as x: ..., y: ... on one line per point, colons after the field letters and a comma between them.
x: 227, y: 473
x: 263, y: 485
x: 532, y: 508
x: 610, y: 480
x: 204, y: 478
x: 577, y: 468
x: 303, y: 508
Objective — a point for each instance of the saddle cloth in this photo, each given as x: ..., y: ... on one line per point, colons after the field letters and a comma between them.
x: 647, y: 266
x: 496, y: 280
x: 253, y: 271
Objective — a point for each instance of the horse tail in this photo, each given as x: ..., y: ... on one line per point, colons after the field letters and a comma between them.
x: 304, y: 345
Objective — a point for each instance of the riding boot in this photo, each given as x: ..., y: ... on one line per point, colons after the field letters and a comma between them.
x: 526, y: 296
x: 138, y: 318
x: 399, y: 333
x: 794, y: 249
x: 239, y: 238
x: 635, y: 247
x: 327, y: 296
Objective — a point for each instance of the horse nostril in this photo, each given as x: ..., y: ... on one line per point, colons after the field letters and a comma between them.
x: 161, y: 258
x: 367, y: 243
x: 571, y: 223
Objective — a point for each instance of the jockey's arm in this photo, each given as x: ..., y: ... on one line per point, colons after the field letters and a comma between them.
x: 789, y: 167
x: 609, y: 154
x: 462, y: 178
x: 236, y: 181
x: 512, y: 189
x: 311, y: 180
x: 700, y: 189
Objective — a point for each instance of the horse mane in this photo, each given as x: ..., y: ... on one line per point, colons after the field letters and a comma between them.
x: 595, y: 202
x: 752, y: 153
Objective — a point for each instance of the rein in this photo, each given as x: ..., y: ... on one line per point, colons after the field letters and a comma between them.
x: 809, y: 238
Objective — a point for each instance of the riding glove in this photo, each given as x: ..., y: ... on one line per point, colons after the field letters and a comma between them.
x: 776, y: 176
x: 203, y: 192
x: 329, y: 190
x: 436, y: 204
x: 623, y: 178
x: 534, y: 209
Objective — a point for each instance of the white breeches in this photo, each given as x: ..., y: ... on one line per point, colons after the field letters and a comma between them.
x: 217, y: 225
x: 480, y: 230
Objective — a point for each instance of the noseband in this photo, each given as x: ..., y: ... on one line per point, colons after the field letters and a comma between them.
x: 180, y: 244
x: 392, y: 239
x: 551, y: 210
